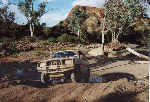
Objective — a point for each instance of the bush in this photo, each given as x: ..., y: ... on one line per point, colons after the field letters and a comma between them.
x: 52, y: 39
x: 67, y: 38
x: 12, y: 47
x: 82, y: 41
x: 17, y: 46
x: 29, y: 38
x: 4, y: 39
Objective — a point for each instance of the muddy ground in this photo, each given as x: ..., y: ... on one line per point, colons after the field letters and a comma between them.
x: 111, y: 81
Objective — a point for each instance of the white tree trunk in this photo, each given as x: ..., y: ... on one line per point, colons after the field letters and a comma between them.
x: 79, y: 33
x: 137, y: 54
x: 31, y: 30
x: 103, y: 39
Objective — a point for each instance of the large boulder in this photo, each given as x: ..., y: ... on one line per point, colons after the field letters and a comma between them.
x: 96, y: 52
x: 1, y: 45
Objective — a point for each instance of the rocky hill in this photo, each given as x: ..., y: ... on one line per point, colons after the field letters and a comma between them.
x: 89, y: 10
x: 90, y: 25
x: 97, y: 13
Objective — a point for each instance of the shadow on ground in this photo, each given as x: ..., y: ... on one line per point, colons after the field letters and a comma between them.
x: 101, y: 60
x: 111, y: 77
x: 116, y: 97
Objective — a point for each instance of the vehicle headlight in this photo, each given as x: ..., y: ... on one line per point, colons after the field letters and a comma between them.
x: 38, y: 64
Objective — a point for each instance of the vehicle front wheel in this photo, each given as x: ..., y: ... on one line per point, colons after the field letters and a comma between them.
x: 73, y: 79
x: 87, y: 76
x: 44, y: 78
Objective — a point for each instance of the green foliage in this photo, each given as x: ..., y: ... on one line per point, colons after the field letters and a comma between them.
x: 67, y: 38
x: 82, y: 41
x: 6, y: 21
x: 33, y: 16
x: 42, y: 53
x: 28, y: 38
x: 78, y: 16
x: 144, y: 31
x: 134, y: 9
x: 37, y: 39
x: 12, y: 47
x: 6, y: 16
x: 4, y: 39
x: 148, y: 38
x: 120, y: 14
x: 47, y: 31
x: 52, y: 39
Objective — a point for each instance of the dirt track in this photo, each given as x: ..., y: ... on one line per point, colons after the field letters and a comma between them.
x: 33, y: 91
x: 70, y: 92
x: 114, y: 81
x: 138, y: 71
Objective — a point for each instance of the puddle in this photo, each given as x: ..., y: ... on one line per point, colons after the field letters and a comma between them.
x: 111, y: 77
x: 95, y: 79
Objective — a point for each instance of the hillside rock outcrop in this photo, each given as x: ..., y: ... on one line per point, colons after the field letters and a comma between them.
x: 89, y: 10
x: 91, y: 24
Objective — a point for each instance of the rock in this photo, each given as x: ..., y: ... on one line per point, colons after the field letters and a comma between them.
x: 96, y: 52
x: 1, y: 45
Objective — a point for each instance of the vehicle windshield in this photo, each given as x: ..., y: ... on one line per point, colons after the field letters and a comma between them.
x: 69, y: 53
x: 64, y: 54
x: 59, y: 55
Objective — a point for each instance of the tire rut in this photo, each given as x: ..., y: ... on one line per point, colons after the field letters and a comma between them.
x: 68, y: 92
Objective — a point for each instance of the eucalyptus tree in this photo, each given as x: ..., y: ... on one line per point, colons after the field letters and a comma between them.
x: 120, y: 14
x: 6, y: 16
x: 32, y: 14
x: 76, y: 20
x: 7, y: 19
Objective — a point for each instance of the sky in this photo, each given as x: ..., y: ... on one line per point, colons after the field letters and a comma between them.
x: 57, y: 9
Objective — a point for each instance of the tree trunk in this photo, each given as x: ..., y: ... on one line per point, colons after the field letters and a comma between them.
x: 79, y: 35
x: 31, y: 30
x: 137, y: 54
x: 103, y: 39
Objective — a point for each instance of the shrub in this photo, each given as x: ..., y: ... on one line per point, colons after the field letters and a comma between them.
x: 82, y: 41
x: 12, y: 47
x: 4, y: 39
x: 28, y: 38
x: 67, y: 38
x: 17, y: 46
x: 52, y: 39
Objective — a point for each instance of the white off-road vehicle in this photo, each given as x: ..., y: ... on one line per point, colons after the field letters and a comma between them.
x: 63, y: 66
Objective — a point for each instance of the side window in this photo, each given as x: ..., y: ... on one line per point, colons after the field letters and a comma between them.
x: 53, y: 62
x: 69, y: 62
x: 48, y: 63
x: 58, y: 62
x: 63, y: 62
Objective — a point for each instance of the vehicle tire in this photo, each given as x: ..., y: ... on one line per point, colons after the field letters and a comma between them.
x: 73, y: 79
x: 87, y: 76
x: 62, y: 80
x: 44, y: 78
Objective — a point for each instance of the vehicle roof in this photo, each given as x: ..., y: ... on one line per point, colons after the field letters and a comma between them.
x: 74, y: 51
x: 57, y: 59
x: 65, y: 50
